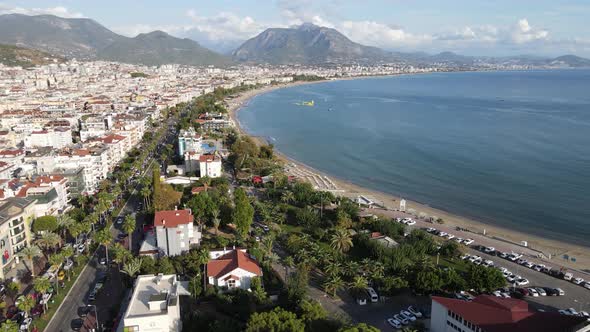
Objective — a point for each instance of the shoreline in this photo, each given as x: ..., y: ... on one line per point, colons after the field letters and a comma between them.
x: 502, y: 238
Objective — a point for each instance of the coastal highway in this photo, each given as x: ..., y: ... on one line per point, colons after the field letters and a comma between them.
x: 576, y: 296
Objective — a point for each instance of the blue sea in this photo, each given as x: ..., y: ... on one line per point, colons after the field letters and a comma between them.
x: 510, y: 149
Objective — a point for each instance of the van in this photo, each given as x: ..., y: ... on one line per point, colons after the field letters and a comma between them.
x: 568, y: 276
x: 372, y: 294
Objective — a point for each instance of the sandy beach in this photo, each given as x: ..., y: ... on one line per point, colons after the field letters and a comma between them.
x: 547, y: 251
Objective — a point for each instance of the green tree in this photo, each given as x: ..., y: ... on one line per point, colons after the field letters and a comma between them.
x: 341, y: 240
x: 297, y: 285
x: 427, y: 281
x: 333, y: 284
x: 287, y: 197
x: 450, y: 249
x: 45, y: 224
x: 42, y: 285
x: 277, y: 320
x: 258, y: 291
x: 165, y: 266
x: 358, y: 285
x: 311, y: 310
x: 104, y: 238
x: 243, y: 212
x: 27, y: 304
x: 452, y: 281
x: 9, y: 326
x: 48, y: 240
x: 63, y: 222
x: 132, y: 267
x: 12, y: 290
x: 29, y: 254
x: 129, y: 227
x: 484, y: 279
x: 215, y: 219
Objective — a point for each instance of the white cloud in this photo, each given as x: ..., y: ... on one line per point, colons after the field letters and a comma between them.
x: 57, y: 11
x: 224, y: 26
x: 523, y: 32
x: 378, y: 34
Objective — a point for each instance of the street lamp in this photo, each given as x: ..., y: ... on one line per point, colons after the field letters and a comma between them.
x: 96, y: 315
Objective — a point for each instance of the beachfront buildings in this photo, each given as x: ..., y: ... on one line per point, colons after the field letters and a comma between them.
x: 487, y: 313
x: 230, y: 269
x: 189, y: 141
x: 16, y: 215
x: 175, y: 232
x: 154, y: 305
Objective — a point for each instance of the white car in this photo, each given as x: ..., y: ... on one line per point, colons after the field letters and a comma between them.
x: 400, y: 319
x: 502, y: 269
x: 458, y: 240
x: 394, y: 323
x: 538, y: 267
x: 407, y: 315
x: 431, y: 230
x: 24, y: 326
x: 450, y: 236
x: 505, y: 295
x: 504, y: 255
x: 442, y: 234
x: 497, y: 293
x: 410, y: 222
x: 587, y: 285
x: 489, y: 250
x: 415, y: 311
x: 467, y: 242
x: 466, y: 256
x: 572, y: 312
x: 68, y: 264
x: 533, y: 292
x: 529, y: 265
x: 81, y: 248
x: 578, y: 281
x: 541, y: 291
x: 522, y: 281
x: 478, y: 261
x: 488, y: 263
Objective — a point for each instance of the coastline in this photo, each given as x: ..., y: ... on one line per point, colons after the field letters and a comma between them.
x: 500, y: 237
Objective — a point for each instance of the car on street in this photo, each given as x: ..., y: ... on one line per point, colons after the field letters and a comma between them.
x: 521, y: 281
x: 119, y: 220
x: 81, y: 248
x: 541, y: 291
x: 84, y: 311
x: 529, y: 265
x: 578, y: 281
x: 467, y: 242
x: 77, y: 324
x: 533, y: 292
x: 394, y: 323
x: 587, y: 285
x: 489, y: 250
x: 24, y: 326
x: 68, y: 264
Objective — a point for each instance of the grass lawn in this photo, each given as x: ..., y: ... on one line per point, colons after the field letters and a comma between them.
x: 41, y: 322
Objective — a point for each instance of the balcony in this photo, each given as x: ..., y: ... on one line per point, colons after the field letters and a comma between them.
x: 16, y: 241
x: 17, y: 231
x: 17, y: 222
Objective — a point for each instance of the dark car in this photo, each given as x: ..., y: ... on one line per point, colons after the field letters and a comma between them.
x: 84, y: 311
x: 37, y: 310
x: 550, y: 291
x: 77, y: 324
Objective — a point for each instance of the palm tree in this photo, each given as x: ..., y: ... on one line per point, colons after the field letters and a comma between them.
x: 48, y: 240
x: 351, y: 268
x: 341, y: 240
x: 146, y: 193
x: 56, y: 260
x: 358, y: 285
x: 27, y: 304
x: 132, y: 267
x: 287, y: 197
x: 83, y: 200
x: 215, y: 219
x: 333, y: 269
x: 104, y: 237
x: 323, y: 198
x: 333, y: 284
x: 63, y: 222
x: 29, y: 254
x: 289, y: 262
x: 129, y: 227
x: 120, y: 254
x: 42, y: 285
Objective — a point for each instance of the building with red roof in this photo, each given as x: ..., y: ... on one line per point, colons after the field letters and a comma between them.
x: 233, y: 268
x: 487, y: 313
x: 175, y: 232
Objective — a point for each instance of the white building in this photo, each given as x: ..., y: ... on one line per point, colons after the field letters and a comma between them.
x: 57, y: 138
x: 229, y: 269
x: 210, y: 165
x: 175, y: 232
x: 154, y: 305
x: 16, y: 215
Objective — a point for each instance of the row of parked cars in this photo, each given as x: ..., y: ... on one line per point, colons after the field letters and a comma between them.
x: 518, y: 259
x: 449, y: 236
x: 573, y: 312
x: 404, y: 317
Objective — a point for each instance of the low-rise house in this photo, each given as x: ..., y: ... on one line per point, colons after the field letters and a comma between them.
x: 384, y: 240
x: 210, y: 165
x: 229, y: 269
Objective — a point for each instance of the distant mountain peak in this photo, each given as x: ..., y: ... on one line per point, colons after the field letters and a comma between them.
x: 307, y: 26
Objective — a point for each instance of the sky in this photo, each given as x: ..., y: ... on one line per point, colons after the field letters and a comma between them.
x: 471, y: 27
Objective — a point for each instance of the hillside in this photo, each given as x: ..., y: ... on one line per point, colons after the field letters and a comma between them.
x: 13, y: 56
x: 306, y: 44
x: 158, y: 47
x: 86, y: 39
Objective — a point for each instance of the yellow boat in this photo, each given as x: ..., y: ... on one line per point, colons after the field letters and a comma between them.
x: 306, y: 103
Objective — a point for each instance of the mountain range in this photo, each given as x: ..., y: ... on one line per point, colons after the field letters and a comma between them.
x: 13, y: 56
x: 86, y: 39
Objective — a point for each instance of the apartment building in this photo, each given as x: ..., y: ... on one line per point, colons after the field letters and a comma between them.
x: 210, y: 165
x: 154, y: 305
x: 16, y: 215
x: 189, y: 141
x: 57, y: 138
x: 175, y: 232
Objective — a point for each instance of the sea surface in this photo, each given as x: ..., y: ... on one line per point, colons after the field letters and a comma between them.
x: 510, y: 149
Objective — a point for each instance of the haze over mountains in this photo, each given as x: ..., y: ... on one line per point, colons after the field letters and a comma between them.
x: 86, y: 39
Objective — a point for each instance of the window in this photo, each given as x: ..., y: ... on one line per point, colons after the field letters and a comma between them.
x: 231, y: 283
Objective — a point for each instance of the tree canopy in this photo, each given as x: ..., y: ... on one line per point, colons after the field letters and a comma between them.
x: 277, y: 320
x: 45, y: 224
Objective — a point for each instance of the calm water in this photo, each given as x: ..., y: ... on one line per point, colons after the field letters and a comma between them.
x: 508, y: 148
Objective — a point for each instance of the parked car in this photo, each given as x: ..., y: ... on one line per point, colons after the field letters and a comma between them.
x: 587, y: 285
x: 467, y: 242
x: 541, y: 291
x: 522, y: 281
x: 568, y: 276
x: 77, y: 324
x: 415, y: 311
x: 578, y: 281
x: 394, y: 323
x: 489, y: 250
x: 401, y: 319
x: 560, y: 291
x: 533, y: 292
x: 81, y: 248
x: 406, y: 314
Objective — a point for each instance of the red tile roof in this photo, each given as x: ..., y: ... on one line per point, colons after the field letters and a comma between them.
x: 197, y: 190
x: 231, y: 261
x: 173, y: 218
x: 207, y: 158
x: 494, y: 314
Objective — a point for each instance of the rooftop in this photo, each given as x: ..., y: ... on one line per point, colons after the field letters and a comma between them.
x: 173, y: 218
x: 12, y: 207
x: 231, y: 261
x: 493, y: 314
x: 152, y: 295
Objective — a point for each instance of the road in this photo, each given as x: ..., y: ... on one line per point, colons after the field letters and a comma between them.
x: 109, y: 299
